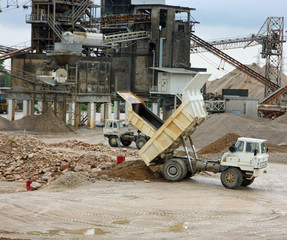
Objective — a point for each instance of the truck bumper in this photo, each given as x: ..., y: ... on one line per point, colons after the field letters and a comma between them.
x: 260, y: 171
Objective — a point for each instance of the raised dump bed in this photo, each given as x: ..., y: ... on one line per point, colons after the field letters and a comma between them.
x: 140, y: 116
x: 166, y: 136
x: 182, y: 123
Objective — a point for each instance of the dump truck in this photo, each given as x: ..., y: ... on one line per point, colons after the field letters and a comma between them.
x: 238, y: 167
x: 117, y: 132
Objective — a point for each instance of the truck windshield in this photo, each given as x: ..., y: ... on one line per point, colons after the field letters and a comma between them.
x: 239, y: 146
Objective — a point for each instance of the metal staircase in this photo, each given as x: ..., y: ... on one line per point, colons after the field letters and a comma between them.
x: 125, y: 37
x: 80, y: 10
x: 58, y: 30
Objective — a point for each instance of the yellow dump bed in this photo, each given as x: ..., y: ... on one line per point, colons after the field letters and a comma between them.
x: 140, y: 116
x: 166, y: 137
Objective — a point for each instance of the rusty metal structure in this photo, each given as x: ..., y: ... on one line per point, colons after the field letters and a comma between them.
x: 118, y: 50
x: 272, y: 49
x: 271, y: 37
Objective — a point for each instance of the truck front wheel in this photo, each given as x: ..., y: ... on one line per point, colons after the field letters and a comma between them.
x: 174, y: 170
x: 231, y: 178
x: 113, y: 141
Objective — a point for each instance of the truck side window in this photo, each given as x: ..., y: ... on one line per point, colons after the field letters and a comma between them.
x: 251, y: 147
x: 239, y: 146
x: 263, y: 149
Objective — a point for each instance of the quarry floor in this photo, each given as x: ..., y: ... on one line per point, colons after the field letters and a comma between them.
x: 196, y: 208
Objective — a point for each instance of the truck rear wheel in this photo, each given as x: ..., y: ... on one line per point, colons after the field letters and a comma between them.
x: 247, y: 182
x: 141, y: 142
x: 174, y: 170
x: 231, y: 178
x: 113, y: 141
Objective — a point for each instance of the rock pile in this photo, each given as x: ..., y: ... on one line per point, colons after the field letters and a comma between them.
x: 45, y: 162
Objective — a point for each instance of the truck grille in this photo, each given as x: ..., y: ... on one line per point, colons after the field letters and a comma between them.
x: 263, y: 164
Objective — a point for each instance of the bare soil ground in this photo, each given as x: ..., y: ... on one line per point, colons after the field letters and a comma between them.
x: 109, y: 207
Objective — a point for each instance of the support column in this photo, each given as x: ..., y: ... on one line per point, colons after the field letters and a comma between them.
x: 62, y: 111
x: 31, y: 107
x: 155, y: 109
x: 77, y: 115
x: 108, y: 110
x: 91, y: 115
x: 102, y: 119
x: 40, y: 106
x: 116, y: 110
x: 71, y: 110
x: 25, y: 108
x: 127, y: 105
x: 11, y: 109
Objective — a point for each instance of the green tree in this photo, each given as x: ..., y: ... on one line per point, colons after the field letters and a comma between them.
x: 7, y: 76
x: 2, y: 67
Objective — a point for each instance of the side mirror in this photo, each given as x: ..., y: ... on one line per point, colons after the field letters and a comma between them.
x: 232, y: 149
x: 255, y: 152
x: 267, y: 150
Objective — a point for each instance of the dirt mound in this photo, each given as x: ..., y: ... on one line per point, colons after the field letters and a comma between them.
x: 68, y: 181
x: 237, y: 79
x: 133, y: 170
x: 6, y: 125
x: 218, y: 125
x: 273, y: 148
x: 47, y: 122
x: 281, y: 119
x: 221, y: 145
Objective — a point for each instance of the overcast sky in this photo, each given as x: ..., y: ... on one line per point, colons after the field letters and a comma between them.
x: 218, y: 20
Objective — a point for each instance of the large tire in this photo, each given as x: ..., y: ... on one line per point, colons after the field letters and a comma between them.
x: 126, y: 143
x: 231, y: 178
x: 174, y: 170
x: 113, y: 141
x: 141, y: 141
x: 247, y: 182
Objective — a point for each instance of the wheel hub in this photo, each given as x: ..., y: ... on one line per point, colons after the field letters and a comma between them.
x: 229, y: 177
x: 172, y: 170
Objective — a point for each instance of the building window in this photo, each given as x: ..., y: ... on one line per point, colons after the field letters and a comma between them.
x: 163, y: 18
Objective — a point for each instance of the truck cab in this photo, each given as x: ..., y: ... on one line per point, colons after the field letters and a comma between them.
x: 249, y: 156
